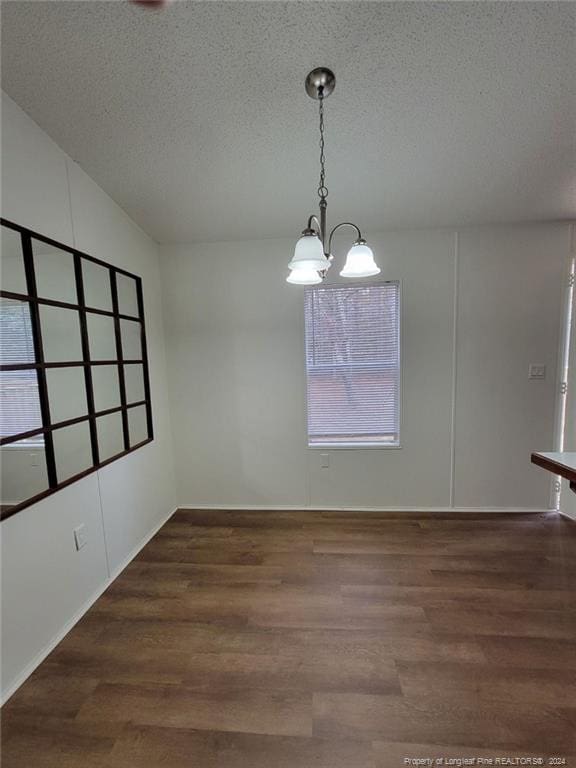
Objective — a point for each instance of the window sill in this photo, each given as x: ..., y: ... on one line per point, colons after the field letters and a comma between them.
x: 354, y: 447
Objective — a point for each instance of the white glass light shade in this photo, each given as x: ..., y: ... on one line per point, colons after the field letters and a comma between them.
x: 309, y: 254
x: 304, y: 277
x: 360, y: 262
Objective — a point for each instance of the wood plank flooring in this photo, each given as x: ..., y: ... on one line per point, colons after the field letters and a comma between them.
x: 316, y: 640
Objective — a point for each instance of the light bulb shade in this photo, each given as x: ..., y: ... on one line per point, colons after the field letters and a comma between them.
x: 304, y: 277
x: 360, y: 262
x: 309, y: 254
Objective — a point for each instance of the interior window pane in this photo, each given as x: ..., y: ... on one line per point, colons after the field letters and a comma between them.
x: 96, y: 280
x: 131, y: 340
x: 54, y: 271
x: 60, y: 334
x: 134, y: 377
x: 23, y: 472
x: 72, y: 449
x: 137, y: 425
x: 110, y: 435
x: 127, y: 295
x: 19, y: 402
x: 16, y: 340
x: 353, y: 364
x: 101, y: 337
x: 13, y: 274
x: 66, y: 393
x: 106, y: 387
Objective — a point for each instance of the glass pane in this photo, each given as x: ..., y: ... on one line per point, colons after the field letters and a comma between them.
x: 16, y: 341
x: 106, y: 387
x: 13, y: 274
x: 127, y: 295
x: 19, y: 402
x: 60, y: 334
x: 96, y: 281
x: 101, y: 337
x: 137, y: 425
x: 54, y: 270
x: 23, y: 472
x: 134, y: 377
x: 61, y: 338
x: 72, y: 449
x: 131, y: 340
x: 66, y: 393
x: 110, y: 435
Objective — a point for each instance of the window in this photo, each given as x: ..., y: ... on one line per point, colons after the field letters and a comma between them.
x: 19, y: 401
x: 74, y: 384
x: 353, y: 365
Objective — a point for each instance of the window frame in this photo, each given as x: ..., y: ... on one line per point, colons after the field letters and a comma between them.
x: 31, y: 298
x: 364, y: 283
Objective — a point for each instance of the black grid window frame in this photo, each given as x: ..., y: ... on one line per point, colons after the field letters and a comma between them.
x: 34, y: 302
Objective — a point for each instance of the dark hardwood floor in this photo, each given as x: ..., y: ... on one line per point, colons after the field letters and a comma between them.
x: 316, y: 640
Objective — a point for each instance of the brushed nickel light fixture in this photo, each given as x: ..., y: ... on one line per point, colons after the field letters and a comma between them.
x: 313, y: 252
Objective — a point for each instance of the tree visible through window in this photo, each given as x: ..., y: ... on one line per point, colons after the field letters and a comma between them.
x: 353, y: 364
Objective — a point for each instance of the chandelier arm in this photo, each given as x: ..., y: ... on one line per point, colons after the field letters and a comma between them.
x: 313, y: 219
x: 343, y: 224
x: 319, y: 227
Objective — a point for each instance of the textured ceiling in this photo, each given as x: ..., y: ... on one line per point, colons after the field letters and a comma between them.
x: 195, y: 120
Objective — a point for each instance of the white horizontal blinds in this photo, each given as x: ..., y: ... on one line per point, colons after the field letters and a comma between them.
x: 19, y: 401
x: 353, y: 364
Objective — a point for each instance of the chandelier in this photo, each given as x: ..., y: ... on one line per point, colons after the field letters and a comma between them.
x: 313, y: 252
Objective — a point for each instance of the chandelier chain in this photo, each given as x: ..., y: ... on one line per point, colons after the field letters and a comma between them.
x: 322, y: 188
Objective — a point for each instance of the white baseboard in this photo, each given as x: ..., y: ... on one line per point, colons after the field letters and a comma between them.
x: 61, y: 634
x: 137, y: 548
x: 302, y: 508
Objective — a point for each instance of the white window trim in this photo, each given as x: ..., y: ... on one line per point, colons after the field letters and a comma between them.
x: 365, y: 446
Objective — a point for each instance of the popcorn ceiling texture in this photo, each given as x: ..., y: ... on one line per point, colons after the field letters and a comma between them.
x: 195, y: 120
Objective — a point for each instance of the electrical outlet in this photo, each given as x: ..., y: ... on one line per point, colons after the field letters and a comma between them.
x: 537, y: 371
x: 324, y: 460
x: 80, y: 537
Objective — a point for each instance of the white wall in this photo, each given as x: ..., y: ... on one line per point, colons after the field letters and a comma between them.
x: 511, y: 286
x: 45, y: 582
x: 478, y: 307
x: 568, y: 497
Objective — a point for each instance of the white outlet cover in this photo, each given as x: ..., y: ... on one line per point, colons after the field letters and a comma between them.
x: 537, y: 371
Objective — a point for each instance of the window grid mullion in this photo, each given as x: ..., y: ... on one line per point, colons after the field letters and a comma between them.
x: 39, y: 354
x: 144, y: 355
x: 86, y: 356
x: 121, y: 377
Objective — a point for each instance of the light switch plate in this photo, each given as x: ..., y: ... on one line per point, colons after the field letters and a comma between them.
x: 537, y: 371
x: 80, y: 536
x: 324, y: 460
